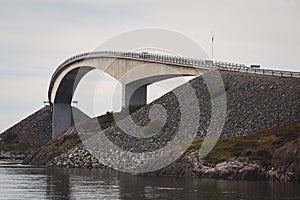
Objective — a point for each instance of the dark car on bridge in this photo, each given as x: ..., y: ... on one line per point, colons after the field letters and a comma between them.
x: 255, y: 66
x: 145, y: 55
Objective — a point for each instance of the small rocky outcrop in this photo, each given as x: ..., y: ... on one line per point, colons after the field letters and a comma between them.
x: 234, y: 169
x: 78, y: 157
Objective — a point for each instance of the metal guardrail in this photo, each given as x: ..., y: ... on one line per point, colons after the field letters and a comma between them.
x: 192, y: 62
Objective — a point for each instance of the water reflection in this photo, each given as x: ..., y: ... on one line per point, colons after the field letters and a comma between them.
x: 58, y: 185
x: 82, y: 184
x: 23, y: 182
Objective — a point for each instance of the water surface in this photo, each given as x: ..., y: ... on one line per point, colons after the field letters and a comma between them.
x: 28, y: 182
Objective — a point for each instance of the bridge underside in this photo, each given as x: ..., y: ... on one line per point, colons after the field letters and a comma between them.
x: 134, y: 95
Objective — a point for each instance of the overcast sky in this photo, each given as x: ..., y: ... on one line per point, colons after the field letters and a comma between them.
x: 36, y: 36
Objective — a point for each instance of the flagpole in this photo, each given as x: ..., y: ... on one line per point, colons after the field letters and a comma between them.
x: 212, y: 46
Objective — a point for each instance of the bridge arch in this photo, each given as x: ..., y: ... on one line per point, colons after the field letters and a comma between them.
x: 135, y: 74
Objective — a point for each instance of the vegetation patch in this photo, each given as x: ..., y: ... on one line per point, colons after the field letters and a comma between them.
x: 16, y: 147
x: 265, y: 147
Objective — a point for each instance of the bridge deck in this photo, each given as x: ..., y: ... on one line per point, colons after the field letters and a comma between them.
x: 178, y: 60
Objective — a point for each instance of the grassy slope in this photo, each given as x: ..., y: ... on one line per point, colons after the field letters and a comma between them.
x: 16, y: 148
x: 62, y: 143
x: 278, y: 147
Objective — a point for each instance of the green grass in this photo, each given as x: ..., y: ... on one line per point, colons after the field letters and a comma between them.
x: 16, y: 147
x: 62, y: 143
x: 63, y: 140
x: 263, y: 146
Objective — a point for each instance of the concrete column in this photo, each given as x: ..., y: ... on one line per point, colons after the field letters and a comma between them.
x: 134, y: 94
x: 62, y: 118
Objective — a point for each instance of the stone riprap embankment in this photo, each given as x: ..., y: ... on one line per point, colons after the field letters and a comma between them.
x: 26, y: 136
x: 254, y: 102
x: 34, y: 129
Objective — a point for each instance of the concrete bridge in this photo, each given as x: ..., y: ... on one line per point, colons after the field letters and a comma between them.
x: 134, y: 70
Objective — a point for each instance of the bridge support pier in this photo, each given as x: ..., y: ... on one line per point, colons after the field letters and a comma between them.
x: 62, y: 118
x: 134, y: 94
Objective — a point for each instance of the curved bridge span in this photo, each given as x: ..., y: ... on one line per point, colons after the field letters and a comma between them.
x: 134, y: 70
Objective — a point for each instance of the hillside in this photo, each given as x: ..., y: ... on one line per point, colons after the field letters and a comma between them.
x: 254, y: 103
x: 30, y: 133
x: 26, y: 136
x: 34, y: 129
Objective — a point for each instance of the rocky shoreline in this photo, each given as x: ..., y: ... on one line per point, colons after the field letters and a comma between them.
x: 186, y: 166
x: 12, y: 156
